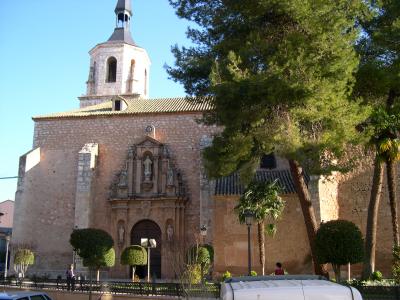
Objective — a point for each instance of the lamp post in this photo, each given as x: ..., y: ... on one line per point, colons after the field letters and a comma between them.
x: 248, y: 217
x: 8, y: 238
x: 148, y: 243
x: 203, y: 233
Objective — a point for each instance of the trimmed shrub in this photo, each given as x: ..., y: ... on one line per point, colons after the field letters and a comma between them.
x: 94, y: 246
x: 134, y: 256
x: 339, y: 242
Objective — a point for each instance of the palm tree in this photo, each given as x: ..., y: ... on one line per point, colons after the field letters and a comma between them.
x: 263, y: 200
x: 385, y: 124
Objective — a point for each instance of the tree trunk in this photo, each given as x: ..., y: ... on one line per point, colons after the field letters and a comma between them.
x: 391, y: 178
x: 308, y: 213
x: 372, y: 220
x: 133, y: 273
x: 98, y: 275
x: 261, y: 244
x: 336, y: 269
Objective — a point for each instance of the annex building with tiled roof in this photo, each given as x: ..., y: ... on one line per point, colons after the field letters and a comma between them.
x: 133, y: 166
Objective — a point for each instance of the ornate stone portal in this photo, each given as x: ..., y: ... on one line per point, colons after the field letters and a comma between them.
x: 149, y: 187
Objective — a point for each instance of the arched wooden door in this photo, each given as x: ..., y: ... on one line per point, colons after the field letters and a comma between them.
x: 150, y: 230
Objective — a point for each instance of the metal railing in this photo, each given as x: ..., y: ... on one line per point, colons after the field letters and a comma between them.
x: 379, y: 292
x: 209, y: 290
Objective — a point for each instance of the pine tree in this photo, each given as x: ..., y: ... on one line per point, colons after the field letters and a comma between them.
x: 279, y: 74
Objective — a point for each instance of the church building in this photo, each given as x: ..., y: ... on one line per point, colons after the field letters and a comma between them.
x: 133, y: 167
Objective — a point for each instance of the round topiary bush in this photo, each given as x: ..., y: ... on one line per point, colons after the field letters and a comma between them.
x: 339, y: 242
x: 134, y: 256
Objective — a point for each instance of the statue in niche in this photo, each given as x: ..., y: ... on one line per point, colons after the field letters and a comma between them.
x: 123, y: 178
x: 121, y: 234
x: 131, y: 152
x: 147, y: 168
x: 165, y: 152
x: 170, y: 233
x: 170, y: 176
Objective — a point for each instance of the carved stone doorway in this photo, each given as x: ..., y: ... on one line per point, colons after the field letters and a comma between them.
x: 148, y: 229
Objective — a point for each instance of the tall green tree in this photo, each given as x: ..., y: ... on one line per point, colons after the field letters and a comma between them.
x: 263, y: 200
x: 278, y: 75
x: 378, y: 82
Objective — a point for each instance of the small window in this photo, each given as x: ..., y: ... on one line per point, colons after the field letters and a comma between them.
x: 268, y: 161
x: 112, y: 69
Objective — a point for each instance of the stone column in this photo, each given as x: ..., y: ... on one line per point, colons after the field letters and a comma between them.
x: 84, y: 184
x: 138, y: 176
x: 155, y: 178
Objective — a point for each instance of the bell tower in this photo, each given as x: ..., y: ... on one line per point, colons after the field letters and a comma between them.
x: 117, y: 66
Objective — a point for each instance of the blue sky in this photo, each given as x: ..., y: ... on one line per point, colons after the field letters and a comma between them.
x: 44, y: 48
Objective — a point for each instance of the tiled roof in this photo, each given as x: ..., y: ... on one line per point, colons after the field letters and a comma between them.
x: 136, y: 106
x: 231, y: 185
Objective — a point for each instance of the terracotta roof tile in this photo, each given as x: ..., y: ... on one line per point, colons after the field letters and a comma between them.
x: 136, y: 107
x: 231, y: 185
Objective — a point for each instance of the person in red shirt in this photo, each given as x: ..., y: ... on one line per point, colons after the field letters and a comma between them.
x: 279, y: 270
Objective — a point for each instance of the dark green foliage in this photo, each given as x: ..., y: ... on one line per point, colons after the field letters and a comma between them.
x: 377, y: 276
x: 107, y: 260
x: 280, y: 74
x: 94, y: 246
x: 134, y: 256
x: 90, y: 241
x: 200, y: 255
x: 203, y: 256
x: 210, y: 251
x: 262, y: 199
x: 339, y: 242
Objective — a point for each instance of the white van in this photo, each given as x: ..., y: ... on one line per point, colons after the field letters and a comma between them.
x: 286, y: 287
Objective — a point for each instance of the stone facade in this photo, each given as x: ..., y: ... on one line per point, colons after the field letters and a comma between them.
x: 55, y: 193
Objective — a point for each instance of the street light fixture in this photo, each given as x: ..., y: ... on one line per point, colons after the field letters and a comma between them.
x: 203, y: 230
x: 249, y: 217
x: 148, y: 243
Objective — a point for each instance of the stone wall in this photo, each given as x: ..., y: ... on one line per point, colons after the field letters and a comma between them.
x: 353, y: 196
x: 289, y: 246
x: 45, y: 214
